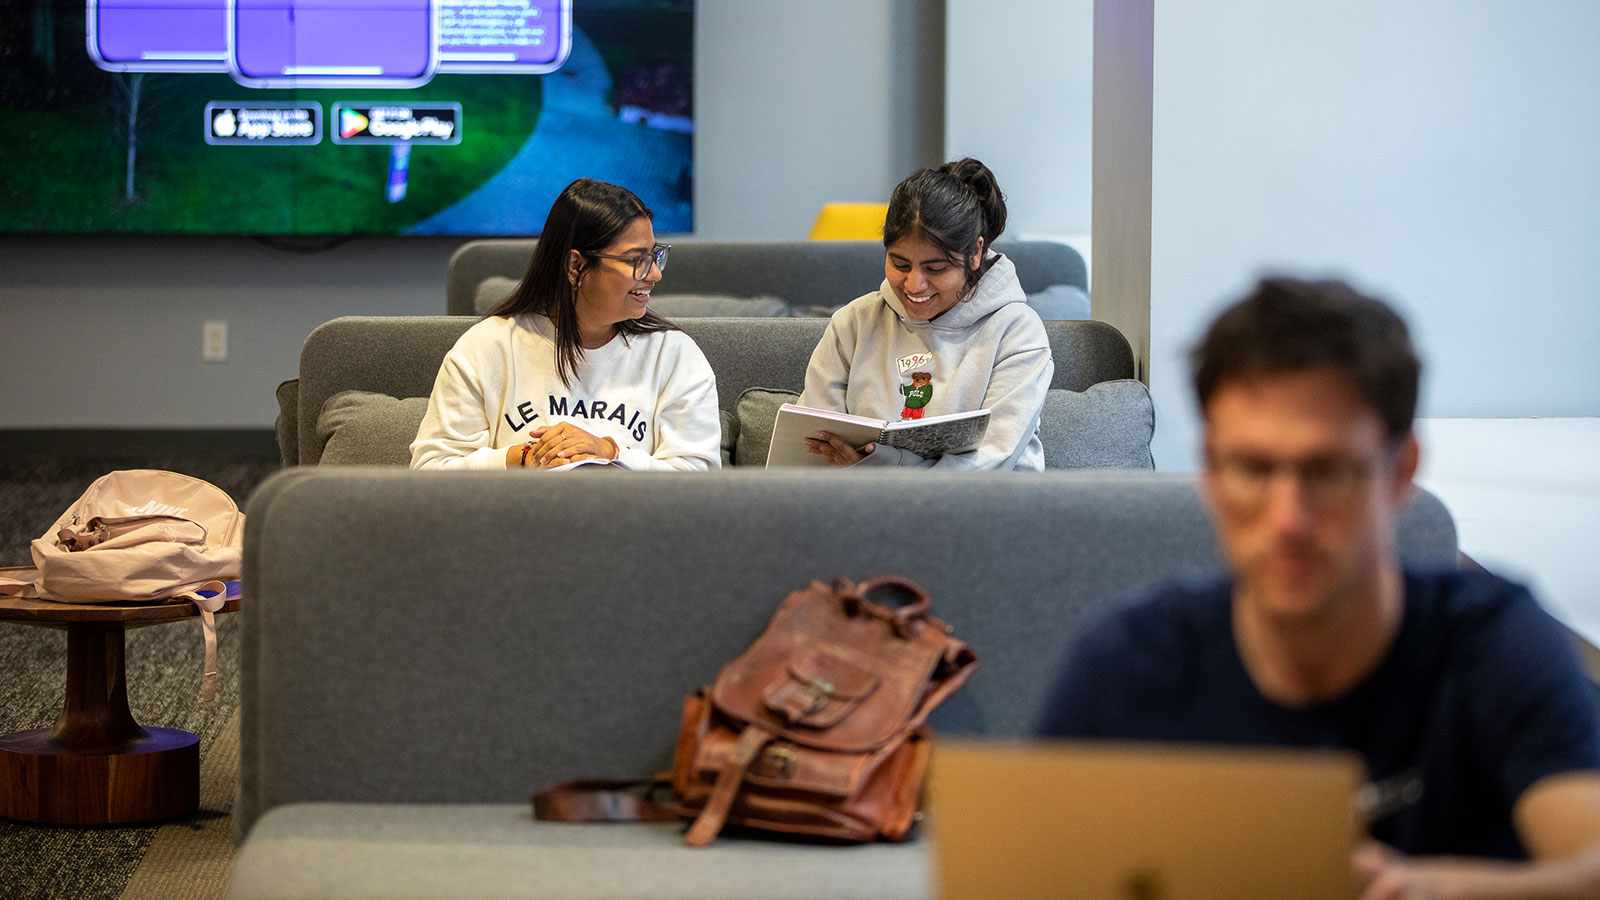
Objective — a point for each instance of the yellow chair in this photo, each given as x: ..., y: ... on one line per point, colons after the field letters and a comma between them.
x: 849, y: 222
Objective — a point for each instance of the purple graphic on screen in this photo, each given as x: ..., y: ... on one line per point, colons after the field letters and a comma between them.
x: 279, y: 43
x: 159, y: 35
x: 399, y: 166
x: 523, y: 36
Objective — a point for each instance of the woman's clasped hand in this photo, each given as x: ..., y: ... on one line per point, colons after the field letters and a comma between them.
x: 559, y: 445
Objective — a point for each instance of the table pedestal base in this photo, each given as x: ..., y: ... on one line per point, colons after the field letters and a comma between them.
x: 96, y: 765
x: 154, y: 776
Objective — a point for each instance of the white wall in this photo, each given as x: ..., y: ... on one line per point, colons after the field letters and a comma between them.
x: 797, y: 105
x: 104, y: 332
x: 800, y: 104
x: 1439, y: 152
x: 1017, y: 95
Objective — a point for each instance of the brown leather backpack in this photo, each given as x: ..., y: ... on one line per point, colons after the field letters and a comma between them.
x: 819, y: 728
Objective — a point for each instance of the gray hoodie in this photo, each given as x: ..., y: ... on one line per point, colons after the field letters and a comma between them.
x: 988, y: 351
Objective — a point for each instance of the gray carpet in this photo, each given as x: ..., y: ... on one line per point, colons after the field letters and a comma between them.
x: 163, y: 663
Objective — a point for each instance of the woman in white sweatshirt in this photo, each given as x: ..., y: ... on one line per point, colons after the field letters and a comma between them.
x: 573, y: 366
x: 949, y: 330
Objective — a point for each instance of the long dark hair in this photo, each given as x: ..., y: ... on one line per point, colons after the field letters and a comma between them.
x: 586, y: 217
x: 949, y: 207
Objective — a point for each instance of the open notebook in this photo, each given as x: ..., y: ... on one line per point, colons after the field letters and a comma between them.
x: 929, y: 437
x: 1112, y: 821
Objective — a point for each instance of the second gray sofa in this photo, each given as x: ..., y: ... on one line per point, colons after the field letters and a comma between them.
x: 364, y: 383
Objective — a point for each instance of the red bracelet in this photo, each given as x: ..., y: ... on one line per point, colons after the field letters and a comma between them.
x: 525, y: 449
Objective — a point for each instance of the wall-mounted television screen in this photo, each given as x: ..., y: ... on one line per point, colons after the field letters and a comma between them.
x: 338, y: 117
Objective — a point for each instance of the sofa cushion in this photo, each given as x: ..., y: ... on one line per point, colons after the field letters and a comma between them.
x: 285, y: 424
x: 756, y: 410
x: 699, y: 305
x: 815, y: 311
x: 490, y: 292
x: 495, y: 288
x: 1108, y: 426
x: 438, y: 851
x: 730, y: 435
x: 364, y: 428
x: 1060, y: 301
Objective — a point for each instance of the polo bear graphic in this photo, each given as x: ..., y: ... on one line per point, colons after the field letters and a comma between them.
x: 918, y: 393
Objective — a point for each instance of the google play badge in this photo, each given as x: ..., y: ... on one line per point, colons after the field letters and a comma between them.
x: 351, y: 123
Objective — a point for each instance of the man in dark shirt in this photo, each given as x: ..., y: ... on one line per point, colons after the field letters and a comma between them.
x: 1460, y: 693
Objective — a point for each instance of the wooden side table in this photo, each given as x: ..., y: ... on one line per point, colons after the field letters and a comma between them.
x: 96, y: 765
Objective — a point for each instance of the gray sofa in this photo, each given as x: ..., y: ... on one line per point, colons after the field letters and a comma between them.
x: 364, y: 382
x: 421, y: 649
x: 779, y: 278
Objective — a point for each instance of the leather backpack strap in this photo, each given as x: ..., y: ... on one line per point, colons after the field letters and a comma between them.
x: 604, y: 800
x: 957, y: 664
x: 905, y: 619
x: 731, y: 775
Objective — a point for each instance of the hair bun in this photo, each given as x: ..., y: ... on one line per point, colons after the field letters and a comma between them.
x: 982, y: 183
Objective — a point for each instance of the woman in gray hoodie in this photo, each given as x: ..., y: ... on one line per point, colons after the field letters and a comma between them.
x: 949, y: 330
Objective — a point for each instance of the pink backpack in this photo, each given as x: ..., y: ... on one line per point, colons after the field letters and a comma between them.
x: 141, y: 535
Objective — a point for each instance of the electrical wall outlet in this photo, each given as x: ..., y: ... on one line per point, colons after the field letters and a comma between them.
x: 214, y: 341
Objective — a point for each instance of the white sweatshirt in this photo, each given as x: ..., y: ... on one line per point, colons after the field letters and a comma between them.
x: 988, y: 351
x: 654, y: 394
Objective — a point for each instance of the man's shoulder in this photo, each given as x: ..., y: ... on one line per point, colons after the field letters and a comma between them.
x: 1487, y: 630
x: 1134, y: 671
x: 1465, y: 588
x: 1466, y: 602
x: 1180, y: 597
x: 1165, y: 618
x: 1487, y: 642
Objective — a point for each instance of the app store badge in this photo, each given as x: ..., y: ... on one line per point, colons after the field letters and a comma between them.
x: 263, y: 124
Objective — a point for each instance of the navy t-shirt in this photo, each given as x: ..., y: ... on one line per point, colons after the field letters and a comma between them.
x: 1480, y: 696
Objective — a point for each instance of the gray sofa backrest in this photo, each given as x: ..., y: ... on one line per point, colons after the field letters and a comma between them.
x: 463, y: 637
x: 803, y: 273
x: 400, y: 356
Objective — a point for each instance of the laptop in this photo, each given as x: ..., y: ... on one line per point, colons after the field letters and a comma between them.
x: 1120, y: 821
